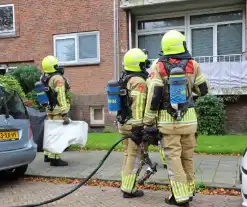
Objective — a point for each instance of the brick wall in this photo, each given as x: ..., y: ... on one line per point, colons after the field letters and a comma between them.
x: 237, y: 115
x: 37, y: 21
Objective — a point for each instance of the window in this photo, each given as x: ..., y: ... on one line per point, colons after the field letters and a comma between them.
x: 14, y: 104
x: 77, y: 48
x: 202, y: 43
x: 6, y: 68
x: 171, y: 22
x: 97, y: 115
x: 7, y: 20
x: 150, y: 41
x: 218, y: 35
x: 210, y: 37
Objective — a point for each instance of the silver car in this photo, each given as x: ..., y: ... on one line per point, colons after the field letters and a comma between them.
x: 17, y: 148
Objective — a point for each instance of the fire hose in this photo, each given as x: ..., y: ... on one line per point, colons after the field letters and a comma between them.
x: 151, y: 170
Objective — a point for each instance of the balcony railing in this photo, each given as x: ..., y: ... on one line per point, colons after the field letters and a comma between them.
x: 227, y: 74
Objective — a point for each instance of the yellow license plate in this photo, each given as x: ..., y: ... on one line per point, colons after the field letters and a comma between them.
x: 7, y: 136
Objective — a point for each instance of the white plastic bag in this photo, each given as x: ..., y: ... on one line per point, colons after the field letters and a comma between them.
x: 57, y: 137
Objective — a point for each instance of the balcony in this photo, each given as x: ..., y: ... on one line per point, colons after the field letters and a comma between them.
x: 134, y: 3
x: 227, y: 74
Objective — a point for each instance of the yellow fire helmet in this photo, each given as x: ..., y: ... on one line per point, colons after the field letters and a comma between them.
x: 133, y: 58
x: 49, y: 64
x: 173, y: 43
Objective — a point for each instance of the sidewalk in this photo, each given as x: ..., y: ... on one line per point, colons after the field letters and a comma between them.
x: 19, y: 192
x: 213, y: 171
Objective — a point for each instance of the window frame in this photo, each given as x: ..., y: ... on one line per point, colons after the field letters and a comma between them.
x: 97, y: 122
x: 12, y: 32
x: 77, y: 61
x: 188, y: 27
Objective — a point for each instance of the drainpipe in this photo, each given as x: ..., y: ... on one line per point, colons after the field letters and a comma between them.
x: 115, y: 43
x: 130, y: 32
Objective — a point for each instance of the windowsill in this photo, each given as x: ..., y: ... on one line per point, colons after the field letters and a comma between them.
x: 80, y: 63
x: 97, y: 125
x: 8, y: 35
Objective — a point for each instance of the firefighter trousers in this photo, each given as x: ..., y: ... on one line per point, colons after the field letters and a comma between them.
x: 179, y: 150
x: 49, y: 154
x: 131, y: 166
x: 162, y: 155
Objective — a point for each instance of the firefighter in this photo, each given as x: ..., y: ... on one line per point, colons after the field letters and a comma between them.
x: 130, y: 118
x: 161, y: 151
x: 172, y: 81
x: 58, y: 104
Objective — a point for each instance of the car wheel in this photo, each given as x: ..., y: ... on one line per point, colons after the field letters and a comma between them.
x: 16, y: 173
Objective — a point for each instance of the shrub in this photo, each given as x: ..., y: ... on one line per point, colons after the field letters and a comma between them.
x: 245, y: 126
x: 27, y: 76
x: 11, y: 82
x: 211, y: 115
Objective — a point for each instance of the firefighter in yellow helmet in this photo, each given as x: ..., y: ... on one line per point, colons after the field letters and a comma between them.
x: 130, y: 118
x: 172, y: 81
x: 161, y: 151
x: 58, y: 104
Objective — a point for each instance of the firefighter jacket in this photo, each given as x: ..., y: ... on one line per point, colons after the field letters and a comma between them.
x: 137, y: 89
x: 166, y: 123
x: 57, y: 84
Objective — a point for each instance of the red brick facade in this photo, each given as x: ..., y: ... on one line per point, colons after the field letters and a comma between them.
x: 38, y: 21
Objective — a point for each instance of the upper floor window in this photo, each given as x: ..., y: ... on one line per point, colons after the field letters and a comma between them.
x: 218, y: 34
x: 210, y: 36
x: 7, y: 20
x: 77, y: 48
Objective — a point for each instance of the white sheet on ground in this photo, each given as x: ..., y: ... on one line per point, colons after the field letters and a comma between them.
x: 57, y: 137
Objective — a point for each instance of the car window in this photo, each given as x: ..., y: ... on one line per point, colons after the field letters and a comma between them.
x: 14, y: 103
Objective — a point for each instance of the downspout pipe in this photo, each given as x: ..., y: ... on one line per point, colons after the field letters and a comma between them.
x: 130, y: 30
x: 115, y: 10
x: 117, y: 40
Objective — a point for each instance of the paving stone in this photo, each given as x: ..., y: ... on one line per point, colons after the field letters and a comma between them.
x: 21, y: 192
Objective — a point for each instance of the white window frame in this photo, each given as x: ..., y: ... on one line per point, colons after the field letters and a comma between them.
x: 11, y: 32
x: 92, y: 120
x: 77, y: 61
x: 7, y: 68
x: 187, y: 27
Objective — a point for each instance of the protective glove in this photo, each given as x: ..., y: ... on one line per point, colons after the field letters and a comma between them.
x: 151, y: 135
x: 137, y: 134
x: 66, y: 121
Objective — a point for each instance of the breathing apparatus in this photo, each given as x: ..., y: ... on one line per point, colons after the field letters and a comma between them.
x: 45, y: 95
x: 117, y: 93
x: 177, y: 87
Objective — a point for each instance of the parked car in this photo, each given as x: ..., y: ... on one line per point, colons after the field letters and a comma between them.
x: 17, y: 148
x: 243, y: 178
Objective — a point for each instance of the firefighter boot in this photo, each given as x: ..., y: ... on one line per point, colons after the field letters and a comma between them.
x: 171, y: 201
x: 138, y: 193
x: 191, y: 197
x: 58, y: 162
x: 46, y: 158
